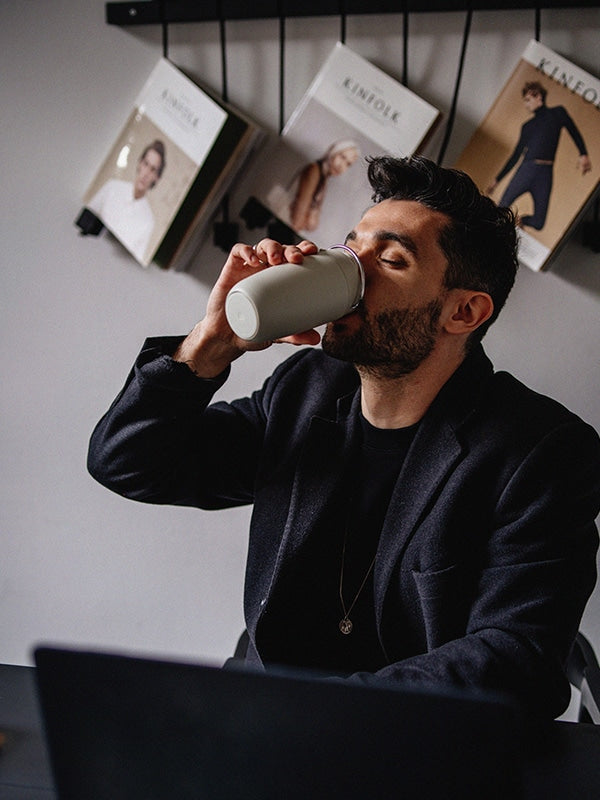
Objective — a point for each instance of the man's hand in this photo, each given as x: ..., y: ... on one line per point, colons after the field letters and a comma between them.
x: 212, y: 345
x: 585, y: 164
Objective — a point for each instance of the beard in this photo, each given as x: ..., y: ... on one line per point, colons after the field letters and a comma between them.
x: 388, y: 344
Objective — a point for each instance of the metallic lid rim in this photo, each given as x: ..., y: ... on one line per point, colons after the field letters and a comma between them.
x: 361, y: 270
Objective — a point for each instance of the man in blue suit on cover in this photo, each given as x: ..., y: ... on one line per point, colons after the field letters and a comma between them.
x: 417, y: 516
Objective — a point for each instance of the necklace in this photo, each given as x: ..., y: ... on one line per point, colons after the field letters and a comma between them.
x: 345, y: 624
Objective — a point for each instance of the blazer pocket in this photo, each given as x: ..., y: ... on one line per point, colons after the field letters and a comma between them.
x: 443, y: 604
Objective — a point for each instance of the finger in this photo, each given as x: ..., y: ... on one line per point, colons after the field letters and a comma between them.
x: 269, y: 251
x: 312, y: 337
x: 273, y: 252
x: 307, y: 247
x: 245, y: 253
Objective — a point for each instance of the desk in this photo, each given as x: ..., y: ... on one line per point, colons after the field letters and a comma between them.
x: 563, y: 763
x: 25, y: 772
x: 562, y: 760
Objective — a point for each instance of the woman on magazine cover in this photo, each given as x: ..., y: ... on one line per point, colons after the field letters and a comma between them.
x: 300, y: 206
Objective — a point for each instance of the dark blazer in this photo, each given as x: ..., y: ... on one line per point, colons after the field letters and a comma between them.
x: 487, y: 554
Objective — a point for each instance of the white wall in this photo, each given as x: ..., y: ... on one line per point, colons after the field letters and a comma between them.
x: 78, y: 564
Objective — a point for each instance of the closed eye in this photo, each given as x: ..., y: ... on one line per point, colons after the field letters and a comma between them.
x: 396, y: 263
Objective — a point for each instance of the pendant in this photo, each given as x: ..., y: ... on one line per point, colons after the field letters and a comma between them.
x: 345, y: 626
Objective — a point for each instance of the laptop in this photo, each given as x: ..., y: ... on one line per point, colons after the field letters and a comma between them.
x: 123, y: 727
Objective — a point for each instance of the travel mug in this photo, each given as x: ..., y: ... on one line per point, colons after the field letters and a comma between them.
x: 291, y: 298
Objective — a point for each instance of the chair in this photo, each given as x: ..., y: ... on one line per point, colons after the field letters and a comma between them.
x: 583, y: 672
x: 241, y: 646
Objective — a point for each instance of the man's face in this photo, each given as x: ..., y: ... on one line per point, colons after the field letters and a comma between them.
x: 532, y: 101
x: 397, y: 323
x: 147, y: 172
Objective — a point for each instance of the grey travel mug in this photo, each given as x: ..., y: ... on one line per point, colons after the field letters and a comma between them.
x: 291, y: 298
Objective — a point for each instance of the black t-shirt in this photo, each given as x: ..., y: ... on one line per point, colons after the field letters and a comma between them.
x: 305, y: 632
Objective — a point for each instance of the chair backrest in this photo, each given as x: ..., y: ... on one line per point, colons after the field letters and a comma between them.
x: 583, y: 672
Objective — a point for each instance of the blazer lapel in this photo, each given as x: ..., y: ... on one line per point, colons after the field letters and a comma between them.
x: 433, y: 455
x: 320, y: 477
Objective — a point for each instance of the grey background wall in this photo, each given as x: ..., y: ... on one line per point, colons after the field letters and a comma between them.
x: 78, y: 564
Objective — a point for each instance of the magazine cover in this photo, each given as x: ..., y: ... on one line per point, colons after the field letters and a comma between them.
x: 538, y: 150
x: 166, y: 168
x: 312, y: 178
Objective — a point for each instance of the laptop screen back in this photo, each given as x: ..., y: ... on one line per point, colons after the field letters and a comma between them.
x: 126, y: 728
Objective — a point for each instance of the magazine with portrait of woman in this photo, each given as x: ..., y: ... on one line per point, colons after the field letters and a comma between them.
x: 310, y: 178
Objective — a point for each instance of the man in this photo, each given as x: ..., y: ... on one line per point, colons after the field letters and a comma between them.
x: 124, y: 207
x: 417, y: 517
x: 537, y: 147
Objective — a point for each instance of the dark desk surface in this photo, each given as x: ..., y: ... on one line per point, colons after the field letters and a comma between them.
x: 562, y: 762
x: 24, y: 767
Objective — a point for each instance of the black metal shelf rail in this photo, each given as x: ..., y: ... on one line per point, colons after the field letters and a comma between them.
x: 149, y: 12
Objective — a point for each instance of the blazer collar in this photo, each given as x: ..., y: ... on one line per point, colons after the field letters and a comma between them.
x: 330, y: 442
x: 456, y: 399
x: 434, y: 452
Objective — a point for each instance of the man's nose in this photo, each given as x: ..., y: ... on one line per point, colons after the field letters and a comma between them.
x: 366, y: 258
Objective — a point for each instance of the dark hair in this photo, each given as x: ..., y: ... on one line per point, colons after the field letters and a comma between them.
x: 480, y: 240
x: 535, y: 87
x: 159, y: 147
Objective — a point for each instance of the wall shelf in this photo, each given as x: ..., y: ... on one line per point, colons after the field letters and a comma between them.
x: 152, y: 12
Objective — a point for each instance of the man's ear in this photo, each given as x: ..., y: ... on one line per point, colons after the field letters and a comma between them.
x: 470, y: 310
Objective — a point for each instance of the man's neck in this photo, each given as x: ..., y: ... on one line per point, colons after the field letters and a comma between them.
x: 402, y: 401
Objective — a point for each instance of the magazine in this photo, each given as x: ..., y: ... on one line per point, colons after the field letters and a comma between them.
x: 538, y: 150
x: 172, y: 162
x: 312, y: 178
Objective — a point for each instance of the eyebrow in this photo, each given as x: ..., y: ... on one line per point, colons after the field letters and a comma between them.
x: 391, y: 236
